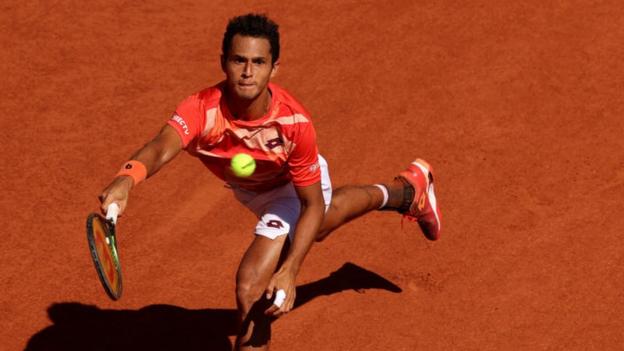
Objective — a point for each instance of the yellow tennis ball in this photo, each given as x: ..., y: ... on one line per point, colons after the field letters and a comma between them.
x: 243, y: 165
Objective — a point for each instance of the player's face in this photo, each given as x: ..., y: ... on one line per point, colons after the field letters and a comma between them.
x: 248, y: 66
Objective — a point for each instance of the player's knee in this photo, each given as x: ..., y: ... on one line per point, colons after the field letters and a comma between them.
x: 247, y: 293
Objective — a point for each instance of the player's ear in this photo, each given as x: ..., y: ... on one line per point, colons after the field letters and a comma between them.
x: 223, y: 63
x: 275, y: 68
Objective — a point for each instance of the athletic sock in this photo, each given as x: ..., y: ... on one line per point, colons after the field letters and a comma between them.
x: 384, y: 191
x: 407, y: 197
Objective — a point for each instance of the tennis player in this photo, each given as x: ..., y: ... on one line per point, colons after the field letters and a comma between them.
x: 290, y: 192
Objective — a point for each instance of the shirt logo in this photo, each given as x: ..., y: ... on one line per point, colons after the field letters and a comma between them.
x: 273, y: 143
x: 182, y: 123
x: 314, y: 167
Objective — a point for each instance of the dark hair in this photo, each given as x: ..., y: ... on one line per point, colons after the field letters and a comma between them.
x: 252, y: 25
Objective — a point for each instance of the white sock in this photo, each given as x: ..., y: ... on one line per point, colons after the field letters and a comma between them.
x: 384, y: 191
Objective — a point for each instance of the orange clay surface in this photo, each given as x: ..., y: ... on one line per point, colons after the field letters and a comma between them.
x: 516, y: 104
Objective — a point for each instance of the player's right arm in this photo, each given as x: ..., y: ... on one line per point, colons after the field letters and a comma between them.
x: 155, y: 154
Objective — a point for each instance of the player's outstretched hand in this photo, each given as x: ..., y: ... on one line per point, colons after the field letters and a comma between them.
x: 282, y: 290
x: 117, y: 191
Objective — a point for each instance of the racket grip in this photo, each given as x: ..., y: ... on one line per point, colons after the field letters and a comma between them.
x: 112, y: 212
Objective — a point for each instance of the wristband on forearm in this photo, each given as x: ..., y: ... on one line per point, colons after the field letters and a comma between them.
x: 135, y: 169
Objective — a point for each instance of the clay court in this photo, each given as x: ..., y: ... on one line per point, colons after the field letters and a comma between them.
x: 517, y: 105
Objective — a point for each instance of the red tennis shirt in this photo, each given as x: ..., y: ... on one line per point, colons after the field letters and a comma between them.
x: 283, y: 141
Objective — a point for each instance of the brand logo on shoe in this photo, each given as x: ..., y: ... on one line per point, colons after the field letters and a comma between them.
x: 421, y: 202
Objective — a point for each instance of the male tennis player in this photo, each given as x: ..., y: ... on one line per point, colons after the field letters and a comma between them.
x: 290, y: 191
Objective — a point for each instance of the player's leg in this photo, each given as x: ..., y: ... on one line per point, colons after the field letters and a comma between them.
x: 411, y: 194
x: 254, y: 273
x: 278, y: 212
x: 352, y: 201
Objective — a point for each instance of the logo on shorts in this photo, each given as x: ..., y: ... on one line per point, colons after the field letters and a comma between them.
x: 275, y: 224
x: 182, y: 123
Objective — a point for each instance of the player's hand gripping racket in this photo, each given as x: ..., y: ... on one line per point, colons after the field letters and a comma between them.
x: 101, y: 238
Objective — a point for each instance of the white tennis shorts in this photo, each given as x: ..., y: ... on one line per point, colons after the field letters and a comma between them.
x: 278, y: 209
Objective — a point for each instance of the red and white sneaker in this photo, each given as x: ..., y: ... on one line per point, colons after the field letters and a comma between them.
x: 424, y: 208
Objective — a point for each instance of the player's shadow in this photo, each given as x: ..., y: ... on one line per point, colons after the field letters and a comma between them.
x: 164, y: 327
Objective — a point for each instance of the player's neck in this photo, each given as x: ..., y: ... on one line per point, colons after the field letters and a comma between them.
x: 249, y: 110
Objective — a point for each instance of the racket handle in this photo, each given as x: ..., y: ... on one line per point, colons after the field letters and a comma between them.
x: 112, y: 212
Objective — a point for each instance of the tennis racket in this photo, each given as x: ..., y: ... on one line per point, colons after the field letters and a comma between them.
x: 103, y: 247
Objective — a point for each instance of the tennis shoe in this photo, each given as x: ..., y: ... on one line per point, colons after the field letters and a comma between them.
x: 423, y: 208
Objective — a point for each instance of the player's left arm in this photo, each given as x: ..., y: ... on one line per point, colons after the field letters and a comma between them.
x: 312, y: 213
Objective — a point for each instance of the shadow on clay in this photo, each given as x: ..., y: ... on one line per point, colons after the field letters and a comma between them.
x: 165, y: 327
